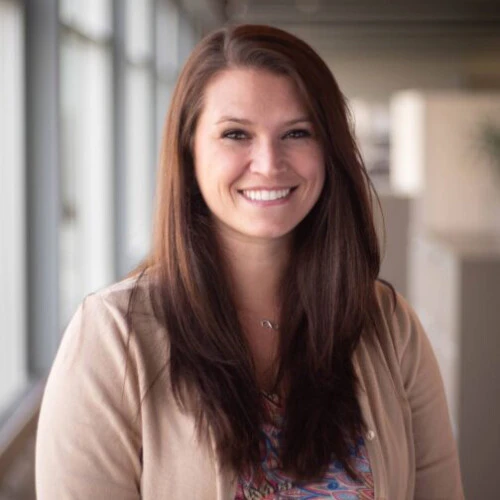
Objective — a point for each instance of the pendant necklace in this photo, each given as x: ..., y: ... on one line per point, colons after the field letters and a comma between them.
x: 266, y: 323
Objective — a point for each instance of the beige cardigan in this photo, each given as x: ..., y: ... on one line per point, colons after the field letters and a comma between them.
x: 103, y: 436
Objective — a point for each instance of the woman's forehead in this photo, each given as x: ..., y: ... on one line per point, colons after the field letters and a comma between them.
x: 248, y: 93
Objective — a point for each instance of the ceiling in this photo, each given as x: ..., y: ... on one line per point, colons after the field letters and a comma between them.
x: 369, y: 25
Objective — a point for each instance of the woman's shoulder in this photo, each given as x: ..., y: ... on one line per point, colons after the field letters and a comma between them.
x: 116, y: 328
x: 397, y: 317
x: 130, y: 296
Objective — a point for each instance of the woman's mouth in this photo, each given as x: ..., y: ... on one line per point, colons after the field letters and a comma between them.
x: 266, y: 194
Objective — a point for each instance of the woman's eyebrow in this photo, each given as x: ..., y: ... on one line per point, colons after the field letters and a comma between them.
x: 302, y: 119
x: 244, y: 121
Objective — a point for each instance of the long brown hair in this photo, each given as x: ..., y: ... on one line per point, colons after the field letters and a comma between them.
x: 327, y: 295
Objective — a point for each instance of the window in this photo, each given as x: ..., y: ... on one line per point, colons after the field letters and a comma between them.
x: 13, y: 373
x: 76, y: 202
x: 167, y: 61
x: 86, y: 110
x: 139, y: 143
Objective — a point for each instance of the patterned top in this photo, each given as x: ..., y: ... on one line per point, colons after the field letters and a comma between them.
x: 267, y: 482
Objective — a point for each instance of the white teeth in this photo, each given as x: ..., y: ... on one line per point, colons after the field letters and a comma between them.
x: 266, y: 195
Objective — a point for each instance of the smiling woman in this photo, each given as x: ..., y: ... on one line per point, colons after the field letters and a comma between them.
x: 255, y: 353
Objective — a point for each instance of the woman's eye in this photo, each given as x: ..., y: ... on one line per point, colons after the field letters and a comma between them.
x: 297, y: 134
x: 237, y: 135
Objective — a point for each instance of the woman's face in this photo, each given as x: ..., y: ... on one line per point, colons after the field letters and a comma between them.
x: 258, y: 160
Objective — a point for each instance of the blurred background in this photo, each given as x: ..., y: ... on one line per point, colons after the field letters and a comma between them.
x: 84, y: 89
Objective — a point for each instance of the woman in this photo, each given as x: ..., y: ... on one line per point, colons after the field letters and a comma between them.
x: 254, y: 354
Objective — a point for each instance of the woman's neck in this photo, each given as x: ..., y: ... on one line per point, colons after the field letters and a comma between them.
x: 256, y: 268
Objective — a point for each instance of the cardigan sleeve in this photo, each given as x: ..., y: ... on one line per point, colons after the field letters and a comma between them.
x: 437, y: 474
x: 89, y: 439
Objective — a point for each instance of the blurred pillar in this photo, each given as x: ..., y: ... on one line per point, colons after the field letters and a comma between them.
x: 119, y: 73
x: 42, y: 163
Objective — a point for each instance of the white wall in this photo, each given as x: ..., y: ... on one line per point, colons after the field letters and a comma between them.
x: 457, y: 181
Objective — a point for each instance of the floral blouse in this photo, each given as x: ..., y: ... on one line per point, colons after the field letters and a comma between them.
x: 267, y: 482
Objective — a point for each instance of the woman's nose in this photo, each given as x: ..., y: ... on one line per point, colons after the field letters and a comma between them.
x: 268, y: 159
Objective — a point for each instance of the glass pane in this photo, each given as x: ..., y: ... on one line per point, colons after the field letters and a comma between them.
x: 92, y: 17
x: 187, y: 38
x: 86, y: 171
x: 167, y: 38
x: 163, y: 95
x: 140, y: 163
x: 12, y: 202
x: 138, y: 29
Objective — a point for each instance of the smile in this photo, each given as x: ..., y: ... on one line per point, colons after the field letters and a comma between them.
x: 266, y: 194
